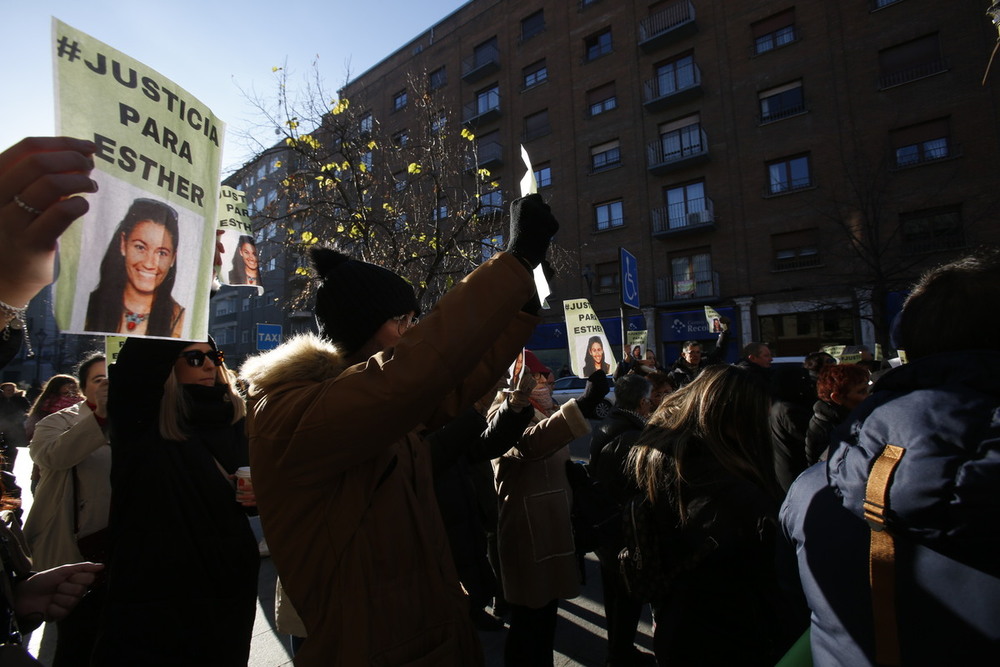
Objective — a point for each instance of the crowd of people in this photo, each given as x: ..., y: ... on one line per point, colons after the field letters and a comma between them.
x: 413, y: 476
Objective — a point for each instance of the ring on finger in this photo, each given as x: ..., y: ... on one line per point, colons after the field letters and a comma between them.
x: 26, y: 207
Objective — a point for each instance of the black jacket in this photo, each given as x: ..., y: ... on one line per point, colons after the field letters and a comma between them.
x: 682, y: 373
x: 826, y: 416
x: 183, y: 556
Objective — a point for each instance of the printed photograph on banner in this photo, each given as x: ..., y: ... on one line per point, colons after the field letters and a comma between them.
x: 240, y: 261
x: 140, y: 262
x: 636, y: 344
x: 515, y: 370
x: 713, y: 319
x: 589, y: 349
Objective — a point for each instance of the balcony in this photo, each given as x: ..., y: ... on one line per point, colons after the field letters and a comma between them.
x: 490, y: 156
x: 664, y: 28
x: 702, y: 286
x: 663, y: 91
x: 680, y: 218
x: 662, y: 158
x: 796, y: 262
x: 921, y: 71
x: 783, y: 113
x: 484, y: 62
x: 486, y: 109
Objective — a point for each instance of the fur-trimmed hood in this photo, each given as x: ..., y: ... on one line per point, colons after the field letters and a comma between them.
x: 303, y: 357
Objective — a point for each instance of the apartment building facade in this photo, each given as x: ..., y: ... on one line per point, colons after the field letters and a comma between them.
x: 793, y: 165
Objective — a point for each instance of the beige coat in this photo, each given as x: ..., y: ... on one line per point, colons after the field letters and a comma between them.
x: 535, y: 537
x: 64, y: 440
x: 343, y: 475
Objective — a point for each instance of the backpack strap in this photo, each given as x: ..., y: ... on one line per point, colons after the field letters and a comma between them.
x: 882, y: 556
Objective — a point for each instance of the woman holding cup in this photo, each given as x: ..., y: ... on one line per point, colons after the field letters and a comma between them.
x: 182, y: 551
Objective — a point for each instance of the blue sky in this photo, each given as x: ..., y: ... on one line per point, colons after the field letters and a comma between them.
x: 211, y: 48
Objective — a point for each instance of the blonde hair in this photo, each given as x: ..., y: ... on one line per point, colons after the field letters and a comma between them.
x: 724, y: 411
x: 175, y: 406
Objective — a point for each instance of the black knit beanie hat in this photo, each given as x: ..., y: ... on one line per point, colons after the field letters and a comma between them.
x: 356, y: 298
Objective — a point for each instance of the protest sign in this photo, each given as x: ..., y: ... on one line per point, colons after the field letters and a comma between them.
x: 713, y: 319
x: 636, y: 344
x: 588, y: 346
x: 112, y: 346
x: 240, y: 262
x: 140, y: 261
x: 529, y: 186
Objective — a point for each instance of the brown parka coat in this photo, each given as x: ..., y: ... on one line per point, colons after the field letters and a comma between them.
x: 343, y: 476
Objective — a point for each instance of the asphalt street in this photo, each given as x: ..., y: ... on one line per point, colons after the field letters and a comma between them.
x: 580, y: 635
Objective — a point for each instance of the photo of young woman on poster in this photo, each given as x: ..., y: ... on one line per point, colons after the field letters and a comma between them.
x: 595, y: 357
x: 246, y: 263
x: 137, y: 275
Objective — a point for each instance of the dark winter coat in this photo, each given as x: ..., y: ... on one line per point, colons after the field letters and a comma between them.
x: 682, y: 373
x: 826, y: 417
x: 183, y: 557
x: 728, y: 609
x: 944, y: 512
x: 618, y: 422
x: 789, y: 422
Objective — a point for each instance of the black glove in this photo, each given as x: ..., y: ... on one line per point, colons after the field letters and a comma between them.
x: 532, y: 226
x: 597, y: 388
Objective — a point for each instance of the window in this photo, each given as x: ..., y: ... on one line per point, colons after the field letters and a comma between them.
x: 439, y: 123
x: 609, y: 214
x: 910, y: 61
x: 401, y: 138
x: 674, y: 75
x: 931, y: 230
x: 681, y: 138
x: 485, y: 53
x: 795, y: 250
x: 788, y: 175
x: 597, y: 45
x: 271, y: 264
x: 399, y: 100
x: 602, y: 99
x: 365, y: 124
x: 399, y: 181
x: 492, y: 201
x: 532, y: 25
x: 543, y: 175
x: 686, y: 206
x: 225, y: 307
x: 488, y: 99
x: 440, y: 211
x: 605, y: 156
x: 879, y: 4
x: 781, y: 102
x: 691, y: 276
x: 246, y: 304
x: 537, y: 125
x: 245, y: 336
x: 270, y: 230
x: 608, y: 278
x: 492, y: 245
x: 438, y: 78
x: 535, y: 73
x: 774, y: 32
x: 922, y: 143
x: 366, y: 160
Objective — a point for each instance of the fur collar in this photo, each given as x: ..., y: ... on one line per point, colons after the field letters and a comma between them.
x: 303, y: 357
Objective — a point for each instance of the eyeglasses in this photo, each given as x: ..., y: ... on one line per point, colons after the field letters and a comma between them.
x: 196, y: 358
x: 404, y: 322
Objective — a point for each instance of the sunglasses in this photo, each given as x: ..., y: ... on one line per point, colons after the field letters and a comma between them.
x: 196, y: 358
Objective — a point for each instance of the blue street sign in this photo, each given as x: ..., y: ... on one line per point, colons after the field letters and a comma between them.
x: 268, y: 336
x: 630, y: 278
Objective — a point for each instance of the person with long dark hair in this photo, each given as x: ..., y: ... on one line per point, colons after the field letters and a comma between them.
x: 137, y: 275
x: 594, y: 359
x: 704, y: 463
x: 182, y: 553
x: 246, y: 264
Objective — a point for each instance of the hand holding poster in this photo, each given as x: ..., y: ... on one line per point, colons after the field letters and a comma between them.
x: 588, y: 346
x: 140, y: 262
x: 240, y: 262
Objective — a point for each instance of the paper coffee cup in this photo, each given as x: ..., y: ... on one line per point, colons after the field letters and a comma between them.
x: 243, y: 483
